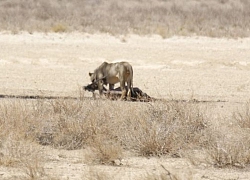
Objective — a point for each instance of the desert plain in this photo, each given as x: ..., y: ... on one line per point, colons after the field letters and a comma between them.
x: 211, y: 72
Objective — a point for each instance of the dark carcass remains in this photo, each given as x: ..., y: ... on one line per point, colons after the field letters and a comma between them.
x: 115, y: 94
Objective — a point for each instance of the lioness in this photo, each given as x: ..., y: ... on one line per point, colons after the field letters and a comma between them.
x: 112, y: 73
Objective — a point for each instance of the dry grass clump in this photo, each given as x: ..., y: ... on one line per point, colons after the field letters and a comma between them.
x: 242, y: 117
x: 108, y: 128
x: 25, y: 155
x: 216, y: 18
x: 229, y: 147
x: 104, y: 152
x: 17, y: 148
x: 82, y: 124
x: 165, y: 128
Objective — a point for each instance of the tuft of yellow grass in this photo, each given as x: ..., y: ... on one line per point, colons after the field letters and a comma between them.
x: 59, y: 28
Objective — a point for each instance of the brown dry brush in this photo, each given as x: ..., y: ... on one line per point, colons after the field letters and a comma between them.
x: 156, y: 129
x: 230, y: 146
x: 166, y: 128
x: 110, y: 127
x: 242, y: 116
x: 216, y: 18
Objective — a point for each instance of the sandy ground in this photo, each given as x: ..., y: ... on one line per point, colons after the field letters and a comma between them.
x: 179, y: 67
x: 205, y: 69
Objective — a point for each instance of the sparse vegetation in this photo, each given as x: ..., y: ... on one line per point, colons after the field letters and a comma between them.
x: 109, y: 128
x: 213, y: 18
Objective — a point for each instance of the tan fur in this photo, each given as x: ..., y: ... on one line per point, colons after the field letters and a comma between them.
x: 112, y: 73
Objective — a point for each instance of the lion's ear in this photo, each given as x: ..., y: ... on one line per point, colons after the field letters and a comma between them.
x: 90, y: 74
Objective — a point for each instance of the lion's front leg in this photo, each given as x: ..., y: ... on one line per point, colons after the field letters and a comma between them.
x: 100, y: 87
x: 129, y: 89
x: 129, y: 94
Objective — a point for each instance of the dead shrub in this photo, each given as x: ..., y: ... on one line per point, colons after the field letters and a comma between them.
x: 242, y: 117
x: 26, y: 155
x: 165, y: 128
x: 104, y: 151
x: 16, y: 119
x: 230, y: 146
x: 229, y: 149
x: 73, y: 124
x: 56, y: 123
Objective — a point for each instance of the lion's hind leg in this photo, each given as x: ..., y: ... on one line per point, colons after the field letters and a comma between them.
x: 123, y: 90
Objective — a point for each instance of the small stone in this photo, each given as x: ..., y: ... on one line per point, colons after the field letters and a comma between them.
x: 117, y: 162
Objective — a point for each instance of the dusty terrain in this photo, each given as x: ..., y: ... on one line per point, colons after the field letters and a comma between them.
x: 212, y: 70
